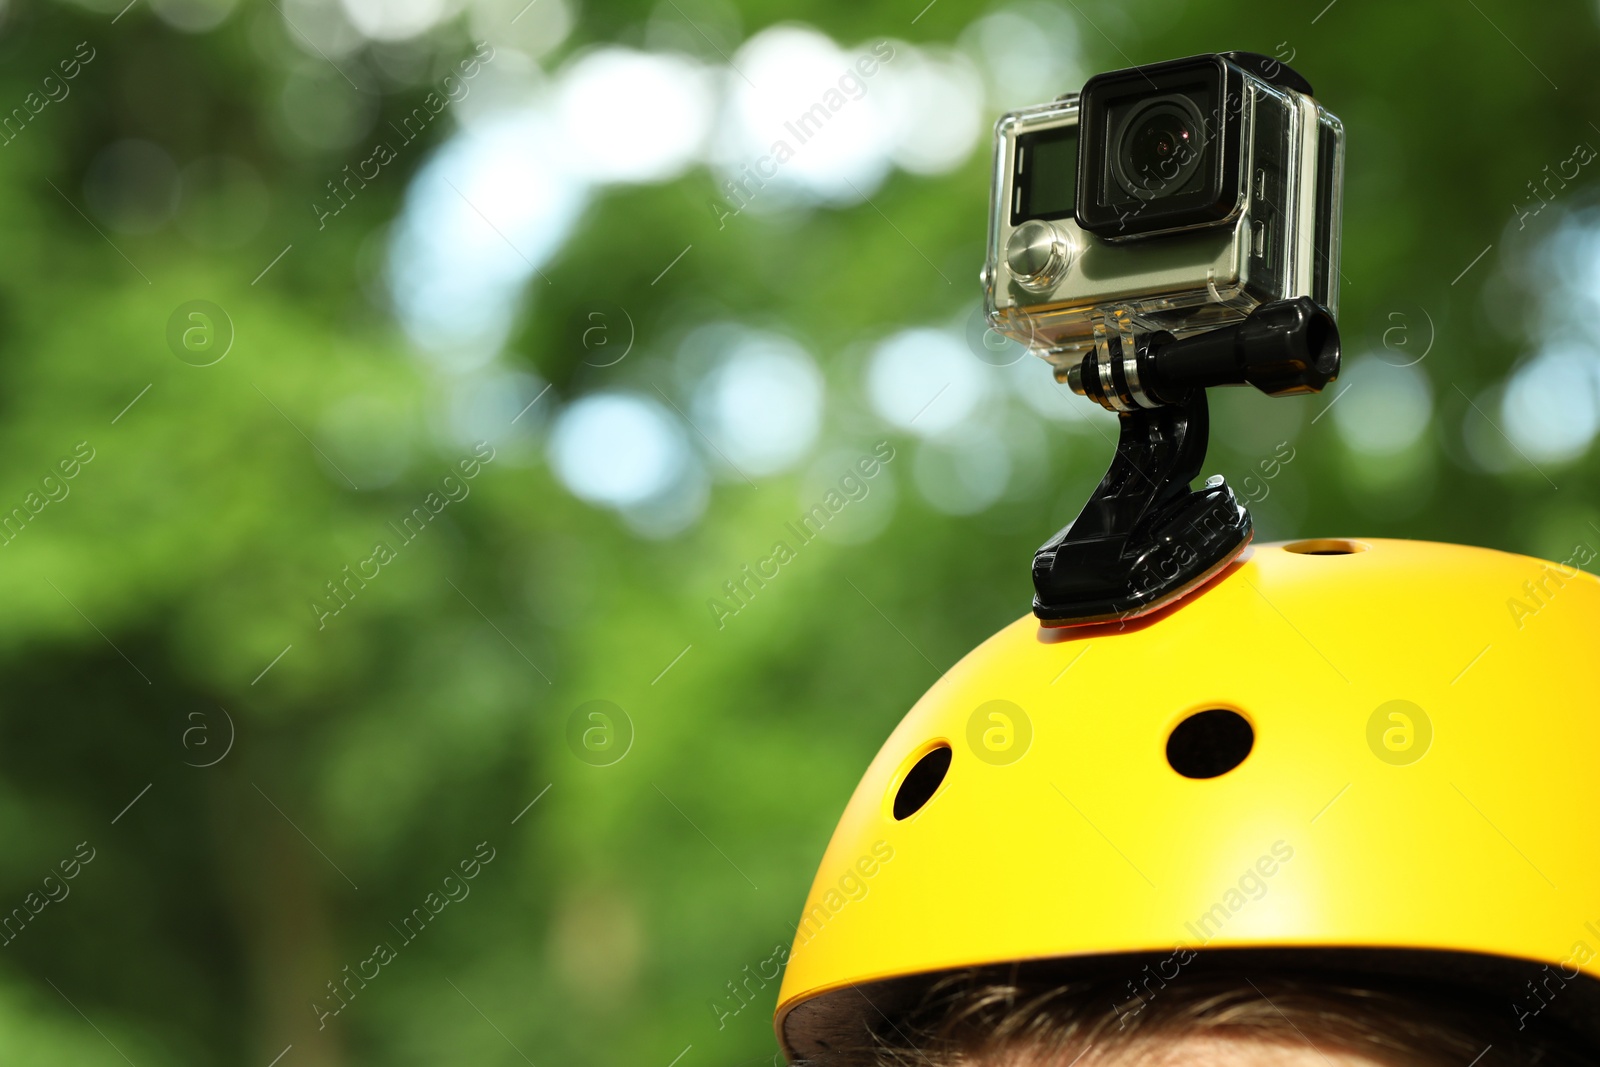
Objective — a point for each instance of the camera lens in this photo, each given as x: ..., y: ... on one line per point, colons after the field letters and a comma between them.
x: 1159, y: 146
x: 1157, y: 143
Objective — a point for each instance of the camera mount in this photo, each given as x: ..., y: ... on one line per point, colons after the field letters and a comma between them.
x: 1145, y: 539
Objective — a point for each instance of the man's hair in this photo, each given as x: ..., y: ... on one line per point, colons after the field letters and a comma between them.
x: 970, y: 1020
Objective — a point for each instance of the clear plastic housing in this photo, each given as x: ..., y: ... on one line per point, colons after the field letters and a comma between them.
x: 1281, y: 240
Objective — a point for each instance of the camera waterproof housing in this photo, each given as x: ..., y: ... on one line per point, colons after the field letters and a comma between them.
x: 1171, y: 228
x: 1176, y: 197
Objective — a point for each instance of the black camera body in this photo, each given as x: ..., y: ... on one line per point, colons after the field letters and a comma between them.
x: 1176, y: 197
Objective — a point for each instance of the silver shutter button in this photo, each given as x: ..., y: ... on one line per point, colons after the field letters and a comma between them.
x: 1037, y: 254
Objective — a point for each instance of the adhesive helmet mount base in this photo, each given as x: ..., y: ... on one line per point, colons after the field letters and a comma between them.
x: 1145, y: 539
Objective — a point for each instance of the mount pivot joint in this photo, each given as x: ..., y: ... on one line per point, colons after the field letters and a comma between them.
x: 1145, y: 539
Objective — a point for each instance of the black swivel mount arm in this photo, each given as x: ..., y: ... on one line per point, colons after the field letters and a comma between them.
x: 1145, y: 539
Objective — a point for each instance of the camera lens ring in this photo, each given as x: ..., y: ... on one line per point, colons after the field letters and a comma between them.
x: 1159, y: 145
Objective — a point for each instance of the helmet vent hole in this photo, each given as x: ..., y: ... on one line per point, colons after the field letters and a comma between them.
x: 921, y: 782
x: 1210, y: 743
x: 1325, y: 546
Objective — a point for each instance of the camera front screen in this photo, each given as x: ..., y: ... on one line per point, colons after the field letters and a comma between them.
x: 1046, y: 180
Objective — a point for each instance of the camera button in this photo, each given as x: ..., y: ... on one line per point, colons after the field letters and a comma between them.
x: 1037, y: 254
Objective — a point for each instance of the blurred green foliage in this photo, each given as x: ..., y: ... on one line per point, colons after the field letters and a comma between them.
x: 167, y: 592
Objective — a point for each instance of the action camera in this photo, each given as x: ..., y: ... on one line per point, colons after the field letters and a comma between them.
x: 1176, y: 197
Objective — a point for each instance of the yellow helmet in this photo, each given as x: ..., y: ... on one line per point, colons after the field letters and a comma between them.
x: 1383, y: 748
